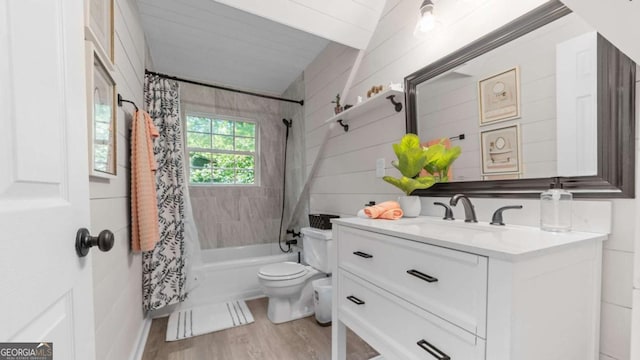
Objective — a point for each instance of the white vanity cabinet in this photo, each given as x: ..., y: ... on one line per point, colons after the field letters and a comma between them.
x: 428, y: 289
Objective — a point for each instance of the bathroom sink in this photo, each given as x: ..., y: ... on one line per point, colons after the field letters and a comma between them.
x: 507, y: 242
x: 453, y: 231
x: 434, y: 224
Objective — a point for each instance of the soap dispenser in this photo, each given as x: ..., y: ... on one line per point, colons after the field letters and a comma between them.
x: 555, y: 208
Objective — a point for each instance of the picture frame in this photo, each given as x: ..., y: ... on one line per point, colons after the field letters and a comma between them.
x: 499, y: 97
x: 99, y: 29
x: 501, y: 177
x: 501, y: 151
x: 101, y: 115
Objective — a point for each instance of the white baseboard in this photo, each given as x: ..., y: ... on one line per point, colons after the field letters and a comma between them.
x: 142, y: 340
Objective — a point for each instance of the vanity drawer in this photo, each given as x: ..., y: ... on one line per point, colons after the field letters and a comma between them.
x: 448, y: 283
x: 409, y: 332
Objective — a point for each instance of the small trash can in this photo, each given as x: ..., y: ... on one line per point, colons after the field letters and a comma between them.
x: 322, y: 300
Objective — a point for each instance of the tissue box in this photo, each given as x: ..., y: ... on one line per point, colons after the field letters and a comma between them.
x: 321, y: 221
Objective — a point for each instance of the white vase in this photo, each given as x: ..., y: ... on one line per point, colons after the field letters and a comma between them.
x: 410, y: 205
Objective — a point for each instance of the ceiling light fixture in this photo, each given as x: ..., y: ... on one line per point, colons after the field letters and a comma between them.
x: 427, y: 21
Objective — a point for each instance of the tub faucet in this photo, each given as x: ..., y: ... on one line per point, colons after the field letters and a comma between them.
x: 469, y: 212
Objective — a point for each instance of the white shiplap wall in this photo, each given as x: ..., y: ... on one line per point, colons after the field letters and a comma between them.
x: 345, y: 179
x: 635, y: 323
x: 117, y: 274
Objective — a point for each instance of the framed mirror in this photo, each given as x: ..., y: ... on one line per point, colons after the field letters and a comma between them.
x: 101, y: 114
x: 540, y: 98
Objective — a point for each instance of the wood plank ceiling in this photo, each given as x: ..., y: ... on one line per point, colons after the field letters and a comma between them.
x: 260, y: 50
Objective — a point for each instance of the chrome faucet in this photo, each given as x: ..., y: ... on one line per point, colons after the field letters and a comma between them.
x: 469, y: 212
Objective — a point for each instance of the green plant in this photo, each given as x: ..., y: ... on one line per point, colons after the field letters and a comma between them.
x: 338, y: 109
x: 199, y: 160
x: 337, y: 100
x: 440, y: 160
x: 413, y: 159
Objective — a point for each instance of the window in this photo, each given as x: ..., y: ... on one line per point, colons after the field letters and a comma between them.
x: 221, y: 150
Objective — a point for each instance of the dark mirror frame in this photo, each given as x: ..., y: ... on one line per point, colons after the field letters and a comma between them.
x: 616, y: 117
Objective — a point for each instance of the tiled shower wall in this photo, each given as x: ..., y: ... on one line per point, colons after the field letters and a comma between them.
x: 240, y: 215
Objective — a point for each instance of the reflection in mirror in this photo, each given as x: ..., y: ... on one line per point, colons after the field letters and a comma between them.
x: 529, y: 102
x: 517, y: 87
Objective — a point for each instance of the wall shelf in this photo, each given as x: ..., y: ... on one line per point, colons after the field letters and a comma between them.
x: 390, y: 98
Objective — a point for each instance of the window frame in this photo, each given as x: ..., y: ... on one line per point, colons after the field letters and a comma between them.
x: 189, y: 111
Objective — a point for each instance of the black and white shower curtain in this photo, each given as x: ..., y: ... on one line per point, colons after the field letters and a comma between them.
x: 163, y: 269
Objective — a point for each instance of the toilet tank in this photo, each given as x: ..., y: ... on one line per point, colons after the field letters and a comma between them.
x: 317, y: 245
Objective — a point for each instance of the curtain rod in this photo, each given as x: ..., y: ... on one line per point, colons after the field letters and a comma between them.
x: 301, y: 102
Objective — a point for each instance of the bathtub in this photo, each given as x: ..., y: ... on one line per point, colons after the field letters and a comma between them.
x: 231, y: 273
x: 228, y: 274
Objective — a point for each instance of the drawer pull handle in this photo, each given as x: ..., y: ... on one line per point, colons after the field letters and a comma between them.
x: 434, y: 351
x: 361, y: 254
x: 422, y: 276
x: 355, y: 300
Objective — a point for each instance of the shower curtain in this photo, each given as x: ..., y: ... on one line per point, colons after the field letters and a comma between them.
x: 164, y: 269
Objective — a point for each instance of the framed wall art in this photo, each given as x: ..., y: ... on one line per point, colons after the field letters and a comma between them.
x: 500, y: 150
x: 99, y: 28
x: 101, y: 115
x: 499, y: 97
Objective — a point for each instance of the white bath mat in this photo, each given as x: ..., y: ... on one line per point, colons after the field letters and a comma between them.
x: 207, y: 318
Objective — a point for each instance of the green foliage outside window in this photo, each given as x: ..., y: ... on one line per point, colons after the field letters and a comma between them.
x: 102, y: 136
x: 221, y: 151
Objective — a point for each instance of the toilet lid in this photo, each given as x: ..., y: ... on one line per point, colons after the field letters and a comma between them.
x: 289, y: 270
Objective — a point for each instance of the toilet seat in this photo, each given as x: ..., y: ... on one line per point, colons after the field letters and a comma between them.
x: 282, y: 271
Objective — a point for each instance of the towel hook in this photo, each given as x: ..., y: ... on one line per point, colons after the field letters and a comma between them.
x: 121, y: 100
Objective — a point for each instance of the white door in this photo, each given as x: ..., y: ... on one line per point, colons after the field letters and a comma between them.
x: 45, y: 289
x: 576, y: 106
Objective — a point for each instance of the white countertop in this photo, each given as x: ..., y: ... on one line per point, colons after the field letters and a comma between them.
x: 508, y: 242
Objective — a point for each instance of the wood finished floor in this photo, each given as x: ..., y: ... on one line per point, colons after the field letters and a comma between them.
x: 295, y: 340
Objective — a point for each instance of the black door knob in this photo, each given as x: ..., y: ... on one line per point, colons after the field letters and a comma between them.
x: 84, y: 241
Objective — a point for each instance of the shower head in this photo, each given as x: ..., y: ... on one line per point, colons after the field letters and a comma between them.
x: 287, y: 123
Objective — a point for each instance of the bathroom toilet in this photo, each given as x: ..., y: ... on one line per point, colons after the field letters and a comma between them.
x: 288, y: 284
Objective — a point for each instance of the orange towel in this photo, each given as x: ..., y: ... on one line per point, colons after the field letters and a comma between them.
x: 386, y: 210
x: 145, y: 231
